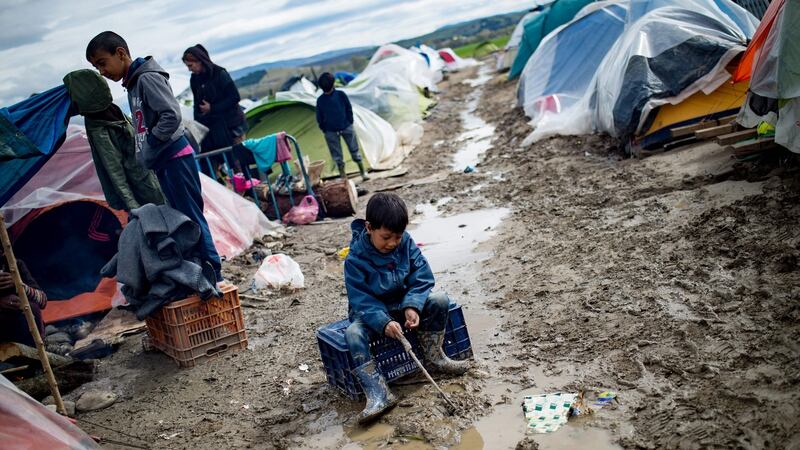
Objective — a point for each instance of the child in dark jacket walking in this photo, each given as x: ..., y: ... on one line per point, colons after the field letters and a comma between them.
x: 335, y: 119
x: 389, y: 282
x: 161, y: 144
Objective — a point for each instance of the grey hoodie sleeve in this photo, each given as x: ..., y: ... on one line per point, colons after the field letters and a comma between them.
x: 159, y: 98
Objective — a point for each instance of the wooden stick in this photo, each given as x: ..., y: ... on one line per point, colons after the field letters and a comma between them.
x: 26, y: 309
x: 410, y: 351
x: 732, y: 138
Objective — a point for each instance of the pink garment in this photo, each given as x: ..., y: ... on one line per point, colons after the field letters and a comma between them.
x: 188, y: 150
x: 282, y: 150
x: 240, y: 184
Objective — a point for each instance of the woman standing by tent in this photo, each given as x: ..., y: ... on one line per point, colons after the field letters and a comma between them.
x: 216, y: 102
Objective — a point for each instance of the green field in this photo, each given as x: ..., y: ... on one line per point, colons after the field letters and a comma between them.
x: 468, y: 50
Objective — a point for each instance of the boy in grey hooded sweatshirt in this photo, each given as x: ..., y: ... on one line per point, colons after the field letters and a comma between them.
x: 160, y: 141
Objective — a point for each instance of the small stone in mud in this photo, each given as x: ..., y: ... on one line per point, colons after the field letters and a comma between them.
x: 94, y: 400
x: 405, y: 404
x: 527, y: 444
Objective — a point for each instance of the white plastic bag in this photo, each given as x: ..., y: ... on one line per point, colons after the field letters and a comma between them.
x: 279, y: 271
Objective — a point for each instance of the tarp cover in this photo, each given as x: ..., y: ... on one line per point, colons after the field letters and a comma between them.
x: 30, y: 131
x: 414, y: 65
x: 673, y: 50
x: 453, y: 62
x: 561, y: 70
x: 388, y: 88
x: 27, y: 424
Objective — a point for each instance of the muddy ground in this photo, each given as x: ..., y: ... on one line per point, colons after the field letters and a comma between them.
x: 672, y: 280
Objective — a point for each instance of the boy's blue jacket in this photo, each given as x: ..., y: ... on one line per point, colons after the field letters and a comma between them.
x: 378, y: 283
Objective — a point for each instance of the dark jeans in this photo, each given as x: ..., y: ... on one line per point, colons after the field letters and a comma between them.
x: 432, y: 318
x: 333, y: 138
x: 15, y: 328
x: 180, y: 182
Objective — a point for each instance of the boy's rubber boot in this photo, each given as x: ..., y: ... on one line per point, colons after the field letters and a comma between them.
x: 437, y: 360
x: 379, y: 398
x: 364, y: 175
x: 342, y: 172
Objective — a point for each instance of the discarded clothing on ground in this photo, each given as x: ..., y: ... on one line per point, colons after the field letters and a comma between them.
x: 158, y: 260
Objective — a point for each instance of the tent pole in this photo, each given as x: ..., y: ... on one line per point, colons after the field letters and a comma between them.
x: 26, y: 309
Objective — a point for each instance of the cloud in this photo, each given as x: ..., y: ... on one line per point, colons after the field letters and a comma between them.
x: 40, y: 43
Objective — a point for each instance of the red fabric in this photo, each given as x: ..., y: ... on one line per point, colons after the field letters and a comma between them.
x: 447, y: 57
x: 282, y: 151
x: 745, y: 68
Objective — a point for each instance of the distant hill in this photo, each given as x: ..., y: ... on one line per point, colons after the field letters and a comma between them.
x: 463, y: 33
x: 300, y: 62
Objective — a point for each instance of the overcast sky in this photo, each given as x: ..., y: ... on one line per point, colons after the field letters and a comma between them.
x: 40, y: 41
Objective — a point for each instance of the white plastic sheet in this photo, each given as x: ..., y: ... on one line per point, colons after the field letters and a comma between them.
x: 413, y: 66
x: 70, y: 176
x: 387, y: 88
x: 435, y: 62
x: 458, y: 62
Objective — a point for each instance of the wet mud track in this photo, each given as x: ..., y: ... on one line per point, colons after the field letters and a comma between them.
x: 672, y: 281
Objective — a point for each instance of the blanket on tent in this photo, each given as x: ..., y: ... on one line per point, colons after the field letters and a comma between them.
x: 158, y: 260
x: 31, y: 131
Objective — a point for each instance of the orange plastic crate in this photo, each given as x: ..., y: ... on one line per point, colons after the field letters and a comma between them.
x: 191, y: 330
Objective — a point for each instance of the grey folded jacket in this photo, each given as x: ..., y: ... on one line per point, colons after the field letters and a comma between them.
x: 157, y: 260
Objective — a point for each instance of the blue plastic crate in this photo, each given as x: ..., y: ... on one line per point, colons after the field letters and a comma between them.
x: 389, y: 355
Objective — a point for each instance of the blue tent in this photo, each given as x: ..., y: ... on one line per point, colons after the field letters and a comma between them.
x: 564, y: 65
x: 551, y: 17
x: 30, y: 132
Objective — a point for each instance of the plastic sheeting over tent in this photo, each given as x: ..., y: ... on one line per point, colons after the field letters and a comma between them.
x: 65, y: 231
x: 561, y: 70
x: 389, y: 89
x: 435, y: 62
x: 295, y: 113
x: 669, y: 51
x: 539, y: 26
x: 775, y: 74
x: 27, y: 424
x: 668, y: 54
x: 453, y: 62
x: 414, y: 65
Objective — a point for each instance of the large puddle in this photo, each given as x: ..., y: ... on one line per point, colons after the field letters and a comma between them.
x: 448, y: 242
x: 477, y: 135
